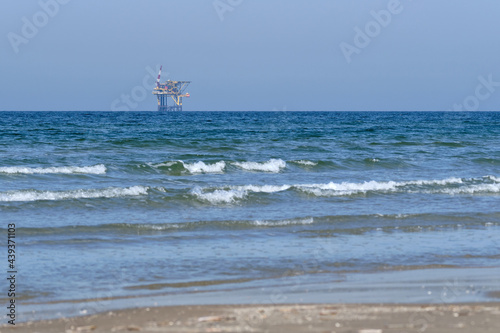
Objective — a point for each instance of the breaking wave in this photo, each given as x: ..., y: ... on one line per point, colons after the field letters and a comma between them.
x: 273, y: 165
x: 452, y: 186
x: 219, y: 196
x: 472, y: 189
x: 231, y: 194
x: 34, y: 195
x: 95, y: 170
x: 305, y: 162
x: 194, y: 168
x: 262, y: 188
x: 346, y: 188
x: 201, y: 167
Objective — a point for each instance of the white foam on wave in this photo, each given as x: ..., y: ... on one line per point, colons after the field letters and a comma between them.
x: 346, y: 188
x: 447, y: 181
x: 493, y: 178
x: 201, y: 167
x: 263, y: 188
x: 471, y: 189
x: 111, y: 192
x: 231, y: 194
x: 198, y: 167
x: 95, y: 170
x: 273, y: 165
x: 306, y: 162
x: 219, y: 196
x: 278, y: 223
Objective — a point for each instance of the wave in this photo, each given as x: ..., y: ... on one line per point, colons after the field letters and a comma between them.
x: 456, y: 144
x: 491, y: 161
x: 194, y: 168
x: 346, y: 188
x: 305, y: 162
x: 375, y: 162
x: 262, y: 188
x: 231, y: 194
x: 279, y: 223
x: 218, y: 196
x: 320, y: 225
x: 201, y: 167
x: 473, y: 189
x: 492, y: 178
x: 134, y: 228
x: 34, y: 195
x: 179, y: 167
x: 343, y: 189
x: 452, y: 185
x: 273, y: 165
x: 95, y: 170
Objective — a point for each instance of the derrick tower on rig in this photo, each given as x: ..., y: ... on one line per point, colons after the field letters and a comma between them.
x: 170, y: 89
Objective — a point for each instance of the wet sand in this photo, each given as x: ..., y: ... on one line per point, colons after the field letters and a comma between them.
x: 367, y: 318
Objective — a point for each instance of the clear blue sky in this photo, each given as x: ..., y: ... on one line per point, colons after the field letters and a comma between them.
x: 251, y: 54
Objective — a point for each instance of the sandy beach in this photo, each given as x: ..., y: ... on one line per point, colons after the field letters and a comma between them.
x: 367, y: 318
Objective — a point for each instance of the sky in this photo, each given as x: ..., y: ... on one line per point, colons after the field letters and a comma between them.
x: 251, y: 55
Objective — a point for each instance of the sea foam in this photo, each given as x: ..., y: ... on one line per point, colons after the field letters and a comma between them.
x: 194, y: 168
x: 471, y: 189
x: 233, y: 193
x: 273, y: 165
x: 95, y: 170
x: 279, y: 223
x: 347, y: 188
x: 492, y: 178
x: 262, y: 188
x: 219, y: 196
x: 34, y: 195
x: 201, y: 167
x: 306, y: 162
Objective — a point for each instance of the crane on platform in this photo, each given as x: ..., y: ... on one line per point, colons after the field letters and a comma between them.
x: 159, y: 75
x: 170, y: 89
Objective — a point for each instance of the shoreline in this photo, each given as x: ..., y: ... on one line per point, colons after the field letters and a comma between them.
x: 436, y: 287
x: 290, y: 318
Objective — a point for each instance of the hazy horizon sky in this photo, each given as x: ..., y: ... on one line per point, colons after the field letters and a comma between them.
x: 407, y: 55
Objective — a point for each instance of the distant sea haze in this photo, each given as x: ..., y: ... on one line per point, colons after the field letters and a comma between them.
x: 142, y: 208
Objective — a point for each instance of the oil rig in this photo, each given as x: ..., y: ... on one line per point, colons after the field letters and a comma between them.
x: 170, y: 89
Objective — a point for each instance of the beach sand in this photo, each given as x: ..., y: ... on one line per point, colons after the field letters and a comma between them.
x: 367, y: 318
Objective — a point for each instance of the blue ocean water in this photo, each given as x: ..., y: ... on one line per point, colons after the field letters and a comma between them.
x: 145, y: 208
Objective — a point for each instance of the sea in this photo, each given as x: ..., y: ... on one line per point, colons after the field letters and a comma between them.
x: 117, y: 210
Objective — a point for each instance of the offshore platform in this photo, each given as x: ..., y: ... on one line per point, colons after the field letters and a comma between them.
x: 170, y: 89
